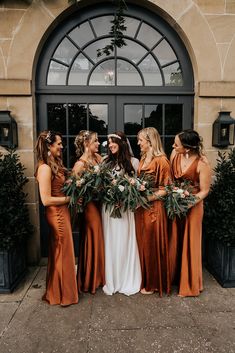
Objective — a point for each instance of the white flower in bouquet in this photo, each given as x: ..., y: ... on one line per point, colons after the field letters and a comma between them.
x: 96, y: 169
x: 121, y: 188
x: 80, y: 182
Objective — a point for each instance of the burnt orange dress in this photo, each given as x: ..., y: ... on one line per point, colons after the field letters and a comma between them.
x: 152, y: 234
x: 91, y: 268
x: 186, y: 237
x: 61, y: 285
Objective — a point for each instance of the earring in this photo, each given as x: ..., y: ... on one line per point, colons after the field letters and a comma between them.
x: 49, y: 153
x: 187, y: 155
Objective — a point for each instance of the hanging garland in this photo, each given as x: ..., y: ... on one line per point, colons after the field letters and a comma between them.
x: 117, y: 29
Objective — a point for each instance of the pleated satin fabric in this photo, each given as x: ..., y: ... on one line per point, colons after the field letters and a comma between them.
x: 91, y: 268
x: 61, y: 284
x: 152, y: 234
x: 185, y: 241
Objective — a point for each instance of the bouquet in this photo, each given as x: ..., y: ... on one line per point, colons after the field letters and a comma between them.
x: 178, y: 199
x: 84, y: 187
x: 122, y: 193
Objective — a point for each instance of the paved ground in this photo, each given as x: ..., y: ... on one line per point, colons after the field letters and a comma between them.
x: 117, y: 324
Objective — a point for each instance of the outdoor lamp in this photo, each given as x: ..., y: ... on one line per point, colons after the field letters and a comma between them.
x: 223, y: 130
x: 8, y: 130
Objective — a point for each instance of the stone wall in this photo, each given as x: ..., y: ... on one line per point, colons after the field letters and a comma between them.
x: 207, y: 27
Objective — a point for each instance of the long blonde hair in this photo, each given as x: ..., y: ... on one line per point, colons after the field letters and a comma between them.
x: 45, y: 139
x: 80, y: 139
x: 152, y: 136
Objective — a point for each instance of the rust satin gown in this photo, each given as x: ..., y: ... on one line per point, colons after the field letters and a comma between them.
x: 61, y: 285
x: 186, y: 237
x: 152, y: 234
x: 91, y: 269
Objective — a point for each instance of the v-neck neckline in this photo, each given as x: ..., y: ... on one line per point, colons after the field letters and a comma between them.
x: 189, y: 166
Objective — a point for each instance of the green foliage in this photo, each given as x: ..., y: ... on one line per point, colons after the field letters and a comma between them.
x: 15, y: 226
x: 219, y: 218
x: 178, y: 199
x: 116, y: 32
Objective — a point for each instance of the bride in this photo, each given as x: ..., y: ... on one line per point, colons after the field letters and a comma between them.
x: 122, y: 263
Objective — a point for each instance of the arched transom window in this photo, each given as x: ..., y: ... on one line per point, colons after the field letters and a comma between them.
x: 148, y: 58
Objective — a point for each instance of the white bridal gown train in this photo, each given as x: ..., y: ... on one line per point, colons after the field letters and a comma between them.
x: 122, y: 263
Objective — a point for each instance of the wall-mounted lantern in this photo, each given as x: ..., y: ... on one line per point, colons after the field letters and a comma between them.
x: 223, y: 130
x: 8, y: 130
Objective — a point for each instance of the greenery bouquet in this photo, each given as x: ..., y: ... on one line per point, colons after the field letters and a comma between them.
x: 178, y: 199
x: 85, y: 187
x: 122, y: 193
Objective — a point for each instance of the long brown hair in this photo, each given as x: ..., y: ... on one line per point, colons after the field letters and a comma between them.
x: 45, y: 139
x: 123, y: 157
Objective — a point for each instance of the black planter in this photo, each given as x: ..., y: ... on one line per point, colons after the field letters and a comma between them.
x: 12, y: 268
x: 220, y: 261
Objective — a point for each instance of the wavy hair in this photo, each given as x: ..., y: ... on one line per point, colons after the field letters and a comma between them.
x: 45, y: 139
x: 190, y: 139
x: 152, y: 136
x: 80, y: 139
x: 123, y: 157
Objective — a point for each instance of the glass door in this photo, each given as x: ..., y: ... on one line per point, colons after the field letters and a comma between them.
x: 69, y: 115
x: 169, y: 115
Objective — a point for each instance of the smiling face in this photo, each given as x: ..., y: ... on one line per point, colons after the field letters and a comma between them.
x: 56, y: 147
x: 143, y: 143
x: 113, y: 146
x: 177, y: 145
x: 94, y: 144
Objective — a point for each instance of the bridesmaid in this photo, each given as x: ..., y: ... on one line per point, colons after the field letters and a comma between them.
x: 188, y: 162
x: 61, y: 286
x: 91, y: 273
x: 151, y: 224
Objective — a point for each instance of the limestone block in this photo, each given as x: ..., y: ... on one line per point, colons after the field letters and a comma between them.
x: 222, y: 26
x: 229, y: 65
x: 208, y: 109
x: 10, y: 20
x: 205, y: 130
x: 25, y: 136
x: 216, y: 89
x: 173, y: 8
x: 21, y: 109
x: 55, y: 7
x: 21, y: 57
x: 203, y: 50
x: 31, y: 189
x: 27, y: 159
x: 15, y: 87
x: 230, y: 6
x: 211, y: 6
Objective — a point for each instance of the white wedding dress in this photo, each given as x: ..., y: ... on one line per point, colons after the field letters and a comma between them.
x: 122, y: 263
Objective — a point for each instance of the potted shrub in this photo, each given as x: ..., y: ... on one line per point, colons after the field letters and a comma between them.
x: 15, y: 226
x: 219, y: 221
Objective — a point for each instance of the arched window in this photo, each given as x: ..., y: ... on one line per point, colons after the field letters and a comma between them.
x: 147, y: 59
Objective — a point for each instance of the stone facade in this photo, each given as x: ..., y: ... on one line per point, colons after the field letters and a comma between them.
x: 207, y: 28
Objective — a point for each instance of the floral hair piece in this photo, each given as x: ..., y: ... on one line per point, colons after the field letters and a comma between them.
x: 114, y: 135
x: 48, y: 137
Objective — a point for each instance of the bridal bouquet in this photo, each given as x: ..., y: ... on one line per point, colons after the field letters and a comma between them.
x: 122, y: 193
x: 84, y: 187
x: 178, y: 199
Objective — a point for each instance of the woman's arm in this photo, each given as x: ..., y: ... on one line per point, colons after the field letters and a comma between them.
x: 44, y: 179
x: 78, y: 168
x: 204, y: 170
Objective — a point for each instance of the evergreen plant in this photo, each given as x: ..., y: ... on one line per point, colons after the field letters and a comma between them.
x: 219, y: 217
x: 15, y: 225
